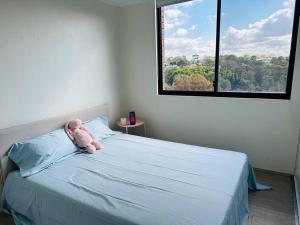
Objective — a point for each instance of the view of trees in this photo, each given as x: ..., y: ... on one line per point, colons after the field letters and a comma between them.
x: 236, y: 73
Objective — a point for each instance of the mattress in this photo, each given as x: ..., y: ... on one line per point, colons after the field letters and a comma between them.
x: 134, y: 181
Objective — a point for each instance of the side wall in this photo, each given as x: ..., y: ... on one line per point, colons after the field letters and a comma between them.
x: 57, y: 56
x: 267, y: 130
x: 297, y: 178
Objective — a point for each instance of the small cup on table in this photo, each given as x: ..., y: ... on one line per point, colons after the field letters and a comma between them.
x: 123, y: 121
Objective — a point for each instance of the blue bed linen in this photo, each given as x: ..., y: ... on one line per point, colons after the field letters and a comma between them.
x: 99, y: 127
x: 134, y: 181
x: 34, y: 155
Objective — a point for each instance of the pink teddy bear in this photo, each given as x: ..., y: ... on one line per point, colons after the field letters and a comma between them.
x: 81, y: 136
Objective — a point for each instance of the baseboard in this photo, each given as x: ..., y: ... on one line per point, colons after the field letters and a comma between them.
x: 296, y: 190
x: 273, y: 172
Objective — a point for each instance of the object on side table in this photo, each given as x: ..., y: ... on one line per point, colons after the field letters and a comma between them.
x: 123, y: 121
x: 139, y: 122
x: 132, y: 118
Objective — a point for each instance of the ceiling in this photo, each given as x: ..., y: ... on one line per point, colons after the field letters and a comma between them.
x: 122, y: 3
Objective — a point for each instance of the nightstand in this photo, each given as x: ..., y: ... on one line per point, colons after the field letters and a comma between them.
x: 139, y: 122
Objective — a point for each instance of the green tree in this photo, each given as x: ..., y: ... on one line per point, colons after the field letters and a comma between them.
x: 236, y: 73
x: 179, y: 61
x: 192, y: 83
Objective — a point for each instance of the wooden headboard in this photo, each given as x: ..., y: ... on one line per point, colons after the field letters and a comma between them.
x: 11, y: 135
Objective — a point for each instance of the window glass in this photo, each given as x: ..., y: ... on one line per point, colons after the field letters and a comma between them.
x: 252, y: 43
x: 255, y: 45
x: 188, y: 45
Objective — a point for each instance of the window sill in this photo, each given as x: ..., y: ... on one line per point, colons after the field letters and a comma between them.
x: 282, y: 96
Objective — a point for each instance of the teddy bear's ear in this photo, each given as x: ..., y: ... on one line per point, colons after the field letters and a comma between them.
x: 70, y: 135
x: 67, y: 126
x: 78, y: 121
x: 68, y: 132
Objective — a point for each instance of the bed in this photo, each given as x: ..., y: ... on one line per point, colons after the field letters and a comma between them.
x: 131, y: 181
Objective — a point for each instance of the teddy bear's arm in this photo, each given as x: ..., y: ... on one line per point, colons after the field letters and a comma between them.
x: 88, y: 131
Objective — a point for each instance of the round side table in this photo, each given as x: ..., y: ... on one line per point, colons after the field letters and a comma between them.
x: 139, y: 122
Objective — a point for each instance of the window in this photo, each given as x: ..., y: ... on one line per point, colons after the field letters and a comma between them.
x: 227, y: 48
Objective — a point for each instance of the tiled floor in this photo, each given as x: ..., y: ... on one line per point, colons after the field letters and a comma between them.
x: 274, y: 207
x: 5, y: 220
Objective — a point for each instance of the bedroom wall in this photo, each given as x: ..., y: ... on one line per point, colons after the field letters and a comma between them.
x: 57, y: 56
x: 266, y: 130
x: 297, y: 179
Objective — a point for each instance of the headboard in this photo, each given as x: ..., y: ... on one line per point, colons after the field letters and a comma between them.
x: 12, y: 135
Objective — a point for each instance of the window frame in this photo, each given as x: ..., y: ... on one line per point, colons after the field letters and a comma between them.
x: 216, y: 92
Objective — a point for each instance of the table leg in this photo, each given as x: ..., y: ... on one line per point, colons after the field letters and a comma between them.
x: 126, y: 130
x: 145, y: 129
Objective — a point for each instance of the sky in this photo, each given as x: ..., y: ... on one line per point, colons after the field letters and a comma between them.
x: 248, y: 27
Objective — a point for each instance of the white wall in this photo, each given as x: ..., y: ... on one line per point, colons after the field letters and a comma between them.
x: 56, y: 56
x: 266, y: 130
x: 297, y: 180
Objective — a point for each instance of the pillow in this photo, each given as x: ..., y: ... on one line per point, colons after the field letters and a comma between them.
x: 99, y: 127
x: 32, y: 156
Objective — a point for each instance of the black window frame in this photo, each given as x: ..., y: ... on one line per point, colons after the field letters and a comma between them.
x: 216, y: 92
